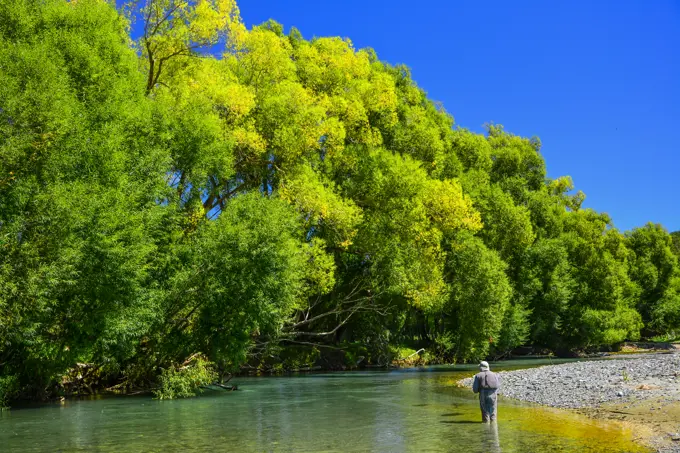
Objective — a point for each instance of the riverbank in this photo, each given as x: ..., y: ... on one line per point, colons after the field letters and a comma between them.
x: 642, y: 390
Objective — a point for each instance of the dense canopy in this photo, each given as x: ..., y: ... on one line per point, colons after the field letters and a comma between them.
x: 210, y: 198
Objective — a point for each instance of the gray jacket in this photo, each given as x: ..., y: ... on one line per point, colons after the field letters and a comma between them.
x: 486, y: 380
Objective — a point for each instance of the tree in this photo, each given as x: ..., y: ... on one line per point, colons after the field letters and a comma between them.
x: 178, y: 28
x: 217, y: 196
x: 675, y: 238
x: 78, y: 214
x: 654, y: 267
x: 478, y: 299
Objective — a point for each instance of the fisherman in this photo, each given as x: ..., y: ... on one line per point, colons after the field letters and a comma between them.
x: 486, y: 383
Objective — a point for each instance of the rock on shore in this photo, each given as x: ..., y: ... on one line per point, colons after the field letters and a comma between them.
x: 589, y: 384
x: 623, y: 382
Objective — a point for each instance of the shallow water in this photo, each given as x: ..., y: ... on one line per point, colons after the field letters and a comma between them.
x: 397, y: 411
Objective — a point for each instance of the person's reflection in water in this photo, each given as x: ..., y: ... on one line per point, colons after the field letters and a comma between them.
x: 491, y: 442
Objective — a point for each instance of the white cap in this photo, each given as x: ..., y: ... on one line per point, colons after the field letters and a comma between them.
x: 483, y: 365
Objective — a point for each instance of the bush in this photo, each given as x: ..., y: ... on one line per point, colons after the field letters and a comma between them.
x: 9, y: 387
x: 184, y: 381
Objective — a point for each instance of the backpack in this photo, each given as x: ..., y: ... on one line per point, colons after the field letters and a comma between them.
x: 488, y: 380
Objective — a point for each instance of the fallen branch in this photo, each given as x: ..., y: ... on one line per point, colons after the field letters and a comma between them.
x: 415, y: 353
x: 309, y: 343
x: 226, y: 387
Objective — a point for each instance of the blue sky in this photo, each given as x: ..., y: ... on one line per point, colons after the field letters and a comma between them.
x: 597, y: 81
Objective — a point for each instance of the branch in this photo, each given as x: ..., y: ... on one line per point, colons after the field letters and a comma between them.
x: 315, y: 318
x: 309, y: 343
x: 211, y: 196
x: 148, y: 18
x: 214, y: 214
x: 158, y: 73
x: 219, y: 199
x: 225, y: 387
x: 189, y: 359
x: 415, y: 353
x: 163, y: 20
x: 149, y: 79
x: 330, y: 332
x: 186, y: 51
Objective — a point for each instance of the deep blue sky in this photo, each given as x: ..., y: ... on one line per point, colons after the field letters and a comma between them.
x: 597, y: 81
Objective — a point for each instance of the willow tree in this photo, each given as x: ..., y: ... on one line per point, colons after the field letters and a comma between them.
x: 654, y: 267
x: 227, y: 194
x: 178, y: 28
x: 79, y: 208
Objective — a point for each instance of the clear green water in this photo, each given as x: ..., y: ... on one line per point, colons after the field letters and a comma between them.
x: 398, y: 411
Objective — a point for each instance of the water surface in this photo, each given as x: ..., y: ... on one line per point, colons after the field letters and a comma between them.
x: 397, y: 411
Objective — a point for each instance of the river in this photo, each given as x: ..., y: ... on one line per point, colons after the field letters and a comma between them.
x: 396, y: 411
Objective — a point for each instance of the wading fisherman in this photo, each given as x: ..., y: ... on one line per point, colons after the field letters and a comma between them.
x: 486, y: 383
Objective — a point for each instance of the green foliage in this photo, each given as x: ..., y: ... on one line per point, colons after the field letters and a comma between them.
x: 9, y: 387
x: 479, y: 297
x: 675, y: 239
x: 243, y: 275
x: 577, y: 285
x: 655, y: 269
x: 78, y: 212
x: 507, y: 226
x: 515, y: 330
x: 670, y: 337
x: 186, y: 380
x: 288, y: 197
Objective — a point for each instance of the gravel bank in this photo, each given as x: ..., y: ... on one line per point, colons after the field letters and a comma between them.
x: 589, y: 384
x: 623, y: 382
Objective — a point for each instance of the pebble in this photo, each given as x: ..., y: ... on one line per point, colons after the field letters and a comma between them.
x: 593, y: 383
